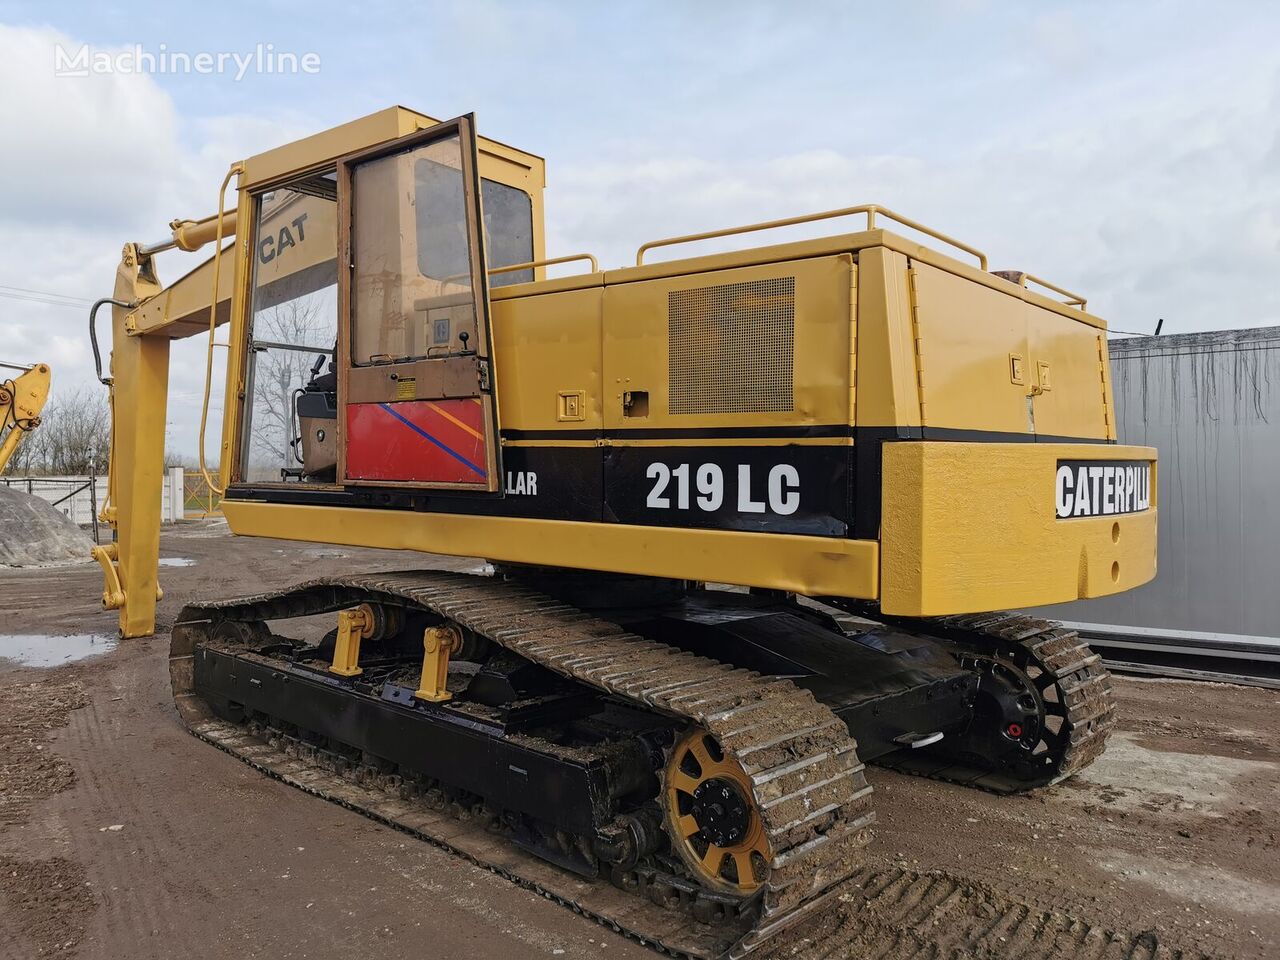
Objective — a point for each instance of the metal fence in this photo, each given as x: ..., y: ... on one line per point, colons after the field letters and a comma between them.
x: 198, y: 498
x: 80, y: 497
x: 1210, y: 402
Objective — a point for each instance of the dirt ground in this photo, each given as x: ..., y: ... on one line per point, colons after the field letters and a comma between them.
x: 121, y: 836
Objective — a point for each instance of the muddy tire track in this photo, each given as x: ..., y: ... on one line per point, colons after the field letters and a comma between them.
x: 899, y: 914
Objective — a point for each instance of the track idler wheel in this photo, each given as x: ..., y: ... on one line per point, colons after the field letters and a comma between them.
x: 1016, y: 728
x: 711, y: 816
x: 1042, y: 709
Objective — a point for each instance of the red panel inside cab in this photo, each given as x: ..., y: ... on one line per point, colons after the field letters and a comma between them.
x: 429, y: 441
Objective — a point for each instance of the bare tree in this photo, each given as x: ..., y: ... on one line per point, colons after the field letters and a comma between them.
x: 30, y: 452
x: 73, y: 438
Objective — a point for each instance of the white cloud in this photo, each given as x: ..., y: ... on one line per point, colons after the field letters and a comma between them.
x: 90, y: 163
x: 1130, y: 156
x: 1155, y: 195
x: 83, y: 150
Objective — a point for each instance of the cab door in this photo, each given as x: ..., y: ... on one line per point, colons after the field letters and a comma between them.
x: 418, y: 399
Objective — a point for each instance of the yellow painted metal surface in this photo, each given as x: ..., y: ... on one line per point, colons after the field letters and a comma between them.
x: 1022, y: 279
x: 969, y: 336
x: 970, y: 527
x: 861, y: 241
x: 321, y: 149
x: 637, y: 351
x: 438, y: 644
x: 888, y: 385
x: 1069, y: 363
x: 966, y: 333
x: 543, y: 346
x: 807, y: 565
x: 237, y: 340
x: 182, y: 308
x: 191, y: 235
x: 353, y: 626
x: 871, y: 211
x: 551, y: 262
x: 139, y: 397
x: 112, y: 591
x: 918, y: 253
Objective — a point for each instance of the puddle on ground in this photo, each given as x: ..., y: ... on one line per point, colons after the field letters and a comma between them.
x: 38, y: 650
x: 327, y: 554
x: 177, y: 562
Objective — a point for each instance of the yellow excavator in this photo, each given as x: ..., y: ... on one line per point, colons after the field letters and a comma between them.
x: 22, y: 398
x: 751, y: 517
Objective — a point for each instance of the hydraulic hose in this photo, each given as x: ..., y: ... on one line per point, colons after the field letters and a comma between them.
x: 93, y: 333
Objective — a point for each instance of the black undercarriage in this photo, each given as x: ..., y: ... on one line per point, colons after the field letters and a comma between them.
x: 562, y: 736
x: 569, y: 758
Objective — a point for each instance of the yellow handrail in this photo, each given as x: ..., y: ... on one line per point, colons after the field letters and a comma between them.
x: 871, y: 210
x: 595, y: 266
x: 236, y: 168
x: 1073, y: 299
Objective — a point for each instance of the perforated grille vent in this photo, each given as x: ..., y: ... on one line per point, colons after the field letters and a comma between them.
x: 732, y: 347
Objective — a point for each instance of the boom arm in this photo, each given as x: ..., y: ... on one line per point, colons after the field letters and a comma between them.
x: 21, y: 401
x: 138, y: 387
x: 145, y: 317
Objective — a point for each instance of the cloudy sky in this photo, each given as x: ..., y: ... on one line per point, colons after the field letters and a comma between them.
x: 1130, y: 151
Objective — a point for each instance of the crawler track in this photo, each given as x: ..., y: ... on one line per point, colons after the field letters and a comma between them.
x: 1070, y: 682
x: 807, y: 781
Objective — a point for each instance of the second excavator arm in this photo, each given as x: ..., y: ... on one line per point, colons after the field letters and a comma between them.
x: 22, y: 398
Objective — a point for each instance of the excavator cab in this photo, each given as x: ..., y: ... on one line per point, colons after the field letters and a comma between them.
x: 410, y: 398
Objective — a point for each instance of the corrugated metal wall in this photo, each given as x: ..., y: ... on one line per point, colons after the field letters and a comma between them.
x: 1210, y: 402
